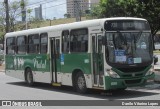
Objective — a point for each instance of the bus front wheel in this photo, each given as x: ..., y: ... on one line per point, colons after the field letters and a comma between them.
x: 80, y: 83
x: 29, y: 77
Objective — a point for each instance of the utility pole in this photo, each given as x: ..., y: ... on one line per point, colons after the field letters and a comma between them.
x: 23, y: 10
x: 7, y: 16
x: 7, y: 19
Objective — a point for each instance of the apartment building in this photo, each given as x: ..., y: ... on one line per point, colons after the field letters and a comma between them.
x: 76, y: 7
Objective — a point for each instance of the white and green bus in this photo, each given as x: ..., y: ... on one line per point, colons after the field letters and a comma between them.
x: 106, y: 54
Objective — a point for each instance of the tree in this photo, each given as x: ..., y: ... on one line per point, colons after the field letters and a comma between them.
x: 23, y: 9
x: 14, y: 13
x: 67, y: 15
x: 95, y: 11
x: 148, y: 9
x: 151, y: 11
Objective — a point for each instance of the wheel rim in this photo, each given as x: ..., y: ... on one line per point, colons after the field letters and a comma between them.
x: 81, y: 82
x: 29, y: 77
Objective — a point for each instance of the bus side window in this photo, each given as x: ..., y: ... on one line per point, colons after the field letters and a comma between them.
x: 44, y: 43
x: 79, y: 40
x: 65, y: 41
x: 21, y: 44
x: 11, y: 45
x: 33, y: 43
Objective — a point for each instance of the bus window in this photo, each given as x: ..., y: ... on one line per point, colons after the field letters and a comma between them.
x: 79, y: 40
x: 33, y: 43
x: 10, y: 45
x: 21, y: 44
x: 44, y: 43
x: 65, y: 41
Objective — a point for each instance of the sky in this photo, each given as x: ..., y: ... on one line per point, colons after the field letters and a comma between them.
x: 50, y: 8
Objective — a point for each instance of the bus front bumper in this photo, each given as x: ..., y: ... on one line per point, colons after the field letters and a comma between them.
x: 122, y: 83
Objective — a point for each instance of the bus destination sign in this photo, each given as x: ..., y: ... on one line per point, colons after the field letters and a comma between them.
x: 120, y: 25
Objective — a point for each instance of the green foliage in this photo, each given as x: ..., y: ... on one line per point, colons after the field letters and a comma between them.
x: 96, y: 11
x: 67, y: 15
x: 29, y: 11
x: 23, y: 3
x: 14, y: 13
x: 1, y: 35
x: 148, y: 9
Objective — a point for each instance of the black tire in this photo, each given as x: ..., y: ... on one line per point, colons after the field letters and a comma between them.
x: 29, y: 77
x: 80, y: 83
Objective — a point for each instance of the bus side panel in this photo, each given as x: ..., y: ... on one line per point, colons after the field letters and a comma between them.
x: 11, y: 67
x: 72, y: 62
x: 39, y: 64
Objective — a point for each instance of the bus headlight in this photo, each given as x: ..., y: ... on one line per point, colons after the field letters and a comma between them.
x: 150, y: 71
x: 111, y: 73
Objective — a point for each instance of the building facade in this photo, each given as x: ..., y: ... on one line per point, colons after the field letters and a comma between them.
x: 77, y: 7
x: 38, y: 12
x: 94, y: 1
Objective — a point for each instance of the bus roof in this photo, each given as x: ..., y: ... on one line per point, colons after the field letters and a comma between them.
x: 82, y: 24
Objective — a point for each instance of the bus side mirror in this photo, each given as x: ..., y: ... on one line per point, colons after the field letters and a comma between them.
x: 156, y: 43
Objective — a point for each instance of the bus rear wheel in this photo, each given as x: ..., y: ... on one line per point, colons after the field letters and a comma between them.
x: 29, y: 77
x: 80, y: 83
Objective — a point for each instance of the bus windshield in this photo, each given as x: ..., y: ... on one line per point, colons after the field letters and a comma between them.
x: 129, y: 47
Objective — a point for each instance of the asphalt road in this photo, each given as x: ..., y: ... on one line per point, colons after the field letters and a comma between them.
x: 15, y: 89
x: 12, y: 88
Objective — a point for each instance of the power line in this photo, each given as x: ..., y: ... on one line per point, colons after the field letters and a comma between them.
x: 78, y: 10
x: 40, y: 2
x: 36, y: 3
x: 54, y: 6
x: 19, y: 9
x: 47, y: 2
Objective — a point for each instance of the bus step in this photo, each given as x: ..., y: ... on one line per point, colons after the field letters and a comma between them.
x: 101, y: 88
x: 56, y: 84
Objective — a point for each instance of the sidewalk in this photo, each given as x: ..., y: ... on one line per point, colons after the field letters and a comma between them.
x: 2, y: 68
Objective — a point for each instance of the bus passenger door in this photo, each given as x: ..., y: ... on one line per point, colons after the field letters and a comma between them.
x: 97, y: 60
x: 55, y: 58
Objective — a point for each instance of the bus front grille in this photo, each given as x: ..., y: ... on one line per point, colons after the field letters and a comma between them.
x: 133, y: 81
x: 130, y: 75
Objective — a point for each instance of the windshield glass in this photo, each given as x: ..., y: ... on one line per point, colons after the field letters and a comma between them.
x: 128, y: 47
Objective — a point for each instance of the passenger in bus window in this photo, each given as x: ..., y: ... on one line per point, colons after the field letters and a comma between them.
x: 11, y: 50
